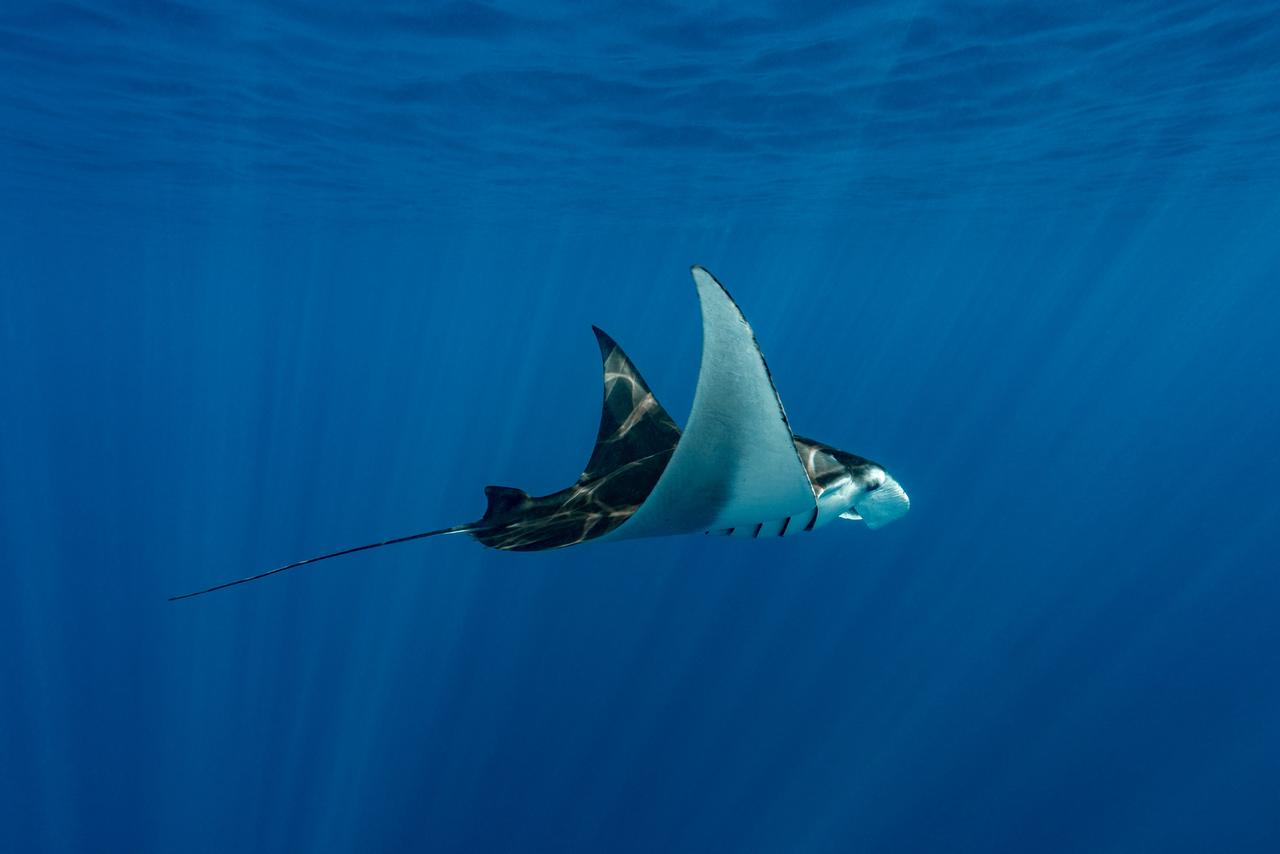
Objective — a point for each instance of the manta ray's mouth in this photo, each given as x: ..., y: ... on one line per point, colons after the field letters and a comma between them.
x: 883, y: 505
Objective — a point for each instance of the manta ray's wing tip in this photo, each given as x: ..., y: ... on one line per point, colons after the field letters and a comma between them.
x: 704, y: 277
x: 603, y: 338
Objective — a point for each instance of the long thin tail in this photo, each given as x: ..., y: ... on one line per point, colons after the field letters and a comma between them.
x: 457, y: 529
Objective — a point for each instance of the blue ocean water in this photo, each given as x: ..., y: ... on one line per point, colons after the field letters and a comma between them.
x: 281, y: 279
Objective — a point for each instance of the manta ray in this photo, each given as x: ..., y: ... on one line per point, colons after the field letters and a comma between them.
x: 736, y: 469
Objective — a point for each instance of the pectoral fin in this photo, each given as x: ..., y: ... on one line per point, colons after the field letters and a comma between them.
x: 736, y: 462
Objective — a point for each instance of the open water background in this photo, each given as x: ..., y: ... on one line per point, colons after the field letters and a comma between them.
x: 283, y: 278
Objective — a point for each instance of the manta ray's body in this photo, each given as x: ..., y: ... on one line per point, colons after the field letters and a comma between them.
x: 736, y: 468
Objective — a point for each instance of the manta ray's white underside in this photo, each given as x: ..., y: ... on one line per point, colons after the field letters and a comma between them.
x: 736, y: 463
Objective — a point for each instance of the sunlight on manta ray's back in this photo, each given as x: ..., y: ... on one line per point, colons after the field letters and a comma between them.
x: 736, y: 468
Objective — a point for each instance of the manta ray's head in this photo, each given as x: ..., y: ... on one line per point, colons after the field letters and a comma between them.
x: 877, y: 498
x: 880, y: 499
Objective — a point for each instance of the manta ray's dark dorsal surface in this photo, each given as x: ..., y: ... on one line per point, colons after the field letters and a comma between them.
x: 736, y: 468
x: 633, y: 445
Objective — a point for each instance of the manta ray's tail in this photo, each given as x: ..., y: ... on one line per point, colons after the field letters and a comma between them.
x: 457, y: 529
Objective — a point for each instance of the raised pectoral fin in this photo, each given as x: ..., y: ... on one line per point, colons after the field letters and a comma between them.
x: 736, y: 462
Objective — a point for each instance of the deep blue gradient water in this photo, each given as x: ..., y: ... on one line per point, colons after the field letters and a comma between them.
x: 281, y: 280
